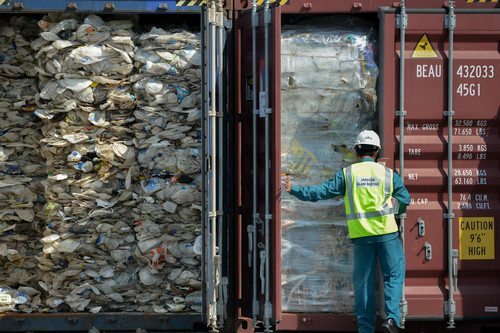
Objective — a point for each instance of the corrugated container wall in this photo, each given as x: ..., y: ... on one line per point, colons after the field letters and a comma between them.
x: 103, y: 182
x: 310, y: 76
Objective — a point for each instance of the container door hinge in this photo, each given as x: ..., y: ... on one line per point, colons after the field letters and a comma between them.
x: 401, y: 113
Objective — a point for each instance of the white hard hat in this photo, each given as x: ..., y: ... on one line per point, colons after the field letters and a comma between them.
x: 368, y: 137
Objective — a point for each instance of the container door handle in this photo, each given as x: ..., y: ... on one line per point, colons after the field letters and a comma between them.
x: 428, y: 251
x: 263, y: 258
x: 421, y: 227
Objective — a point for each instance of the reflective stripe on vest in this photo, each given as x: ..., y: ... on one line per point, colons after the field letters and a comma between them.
x: 386, y: 209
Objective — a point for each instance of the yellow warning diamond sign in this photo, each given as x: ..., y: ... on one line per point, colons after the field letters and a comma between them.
x: 424, y: 49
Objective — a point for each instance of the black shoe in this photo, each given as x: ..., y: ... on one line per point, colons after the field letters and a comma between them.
x: 389, y: 326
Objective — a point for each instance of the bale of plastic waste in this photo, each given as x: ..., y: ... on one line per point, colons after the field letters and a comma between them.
x: 102, y: 165
x: 328, y: 94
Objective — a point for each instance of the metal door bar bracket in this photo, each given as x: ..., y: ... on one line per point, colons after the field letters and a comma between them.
x: 449, y: 113
x: 269, y: 110
x: 402, y: 19
x: 450, y: 20
x: 214, y: 213
x: 450, y: 310
x: 255, y: 21
x: 449, y: 216
x: 401, y: 113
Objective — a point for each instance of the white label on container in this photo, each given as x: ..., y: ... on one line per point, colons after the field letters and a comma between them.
x: 491, y: 309
x: 262, y: 104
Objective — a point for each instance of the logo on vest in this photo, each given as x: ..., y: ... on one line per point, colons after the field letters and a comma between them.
x: 367, y: 182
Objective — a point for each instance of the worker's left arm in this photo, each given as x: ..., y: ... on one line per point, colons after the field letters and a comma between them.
x: 400, y: 193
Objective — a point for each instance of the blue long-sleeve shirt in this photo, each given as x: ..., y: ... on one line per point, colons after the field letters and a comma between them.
x: 336, y: 186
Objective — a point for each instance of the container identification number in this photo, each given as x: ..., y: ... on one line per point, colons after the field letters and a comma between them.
x: 473, y: 72
x: 476, y: 71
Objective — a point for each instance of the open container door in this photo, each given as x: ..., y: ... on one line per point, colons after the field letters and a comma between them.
x: 115, y: 317
x: 257, y: 40
x: 214, y: 155
x: 440, y: 106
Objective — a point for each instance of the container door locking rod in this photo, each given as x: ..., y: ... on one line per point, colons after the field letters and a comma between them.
x: 252, y: 248
x: 268, y: 216
x: 450, y: 22
x: 221, y: 280
x: 402, y: 21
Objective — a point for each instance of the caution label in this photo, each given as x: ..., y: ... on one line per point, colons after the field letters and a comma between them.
x: 424, y: 49
x: 477, y: 238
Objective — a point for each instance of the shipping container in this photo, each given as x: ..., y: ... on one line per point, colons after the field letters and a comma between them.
x: 262, y: 90
x: 110, y: 218
x: 310, y: 75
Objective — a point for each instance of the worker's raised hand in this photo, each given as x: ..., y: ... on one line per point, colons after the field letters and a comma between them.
x: 288, y: 184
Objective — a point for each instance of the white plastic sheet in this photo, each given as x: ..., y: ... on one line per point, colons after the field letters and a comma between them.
x: 328, y: 96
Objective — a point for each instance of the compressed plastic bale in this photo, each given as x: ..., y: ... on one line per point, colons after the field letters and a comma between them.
x: 328, y: 89
x: 99, y: 164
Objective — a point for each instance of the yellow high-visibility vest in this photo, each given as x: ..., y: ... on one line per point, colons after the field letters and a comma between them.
x: 368, y: 204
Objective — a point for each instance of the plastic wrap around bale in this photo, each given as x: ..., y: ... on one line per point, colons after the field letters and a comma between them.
x: 328, y: 94
x: 117, y: 226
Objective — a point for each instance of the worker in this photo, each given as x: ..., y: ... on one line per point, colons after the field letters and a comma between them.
x: 373, y: 194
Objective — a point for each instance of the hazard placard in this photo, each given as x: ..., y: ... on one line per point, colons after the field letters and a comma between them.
x: 477, y: 238
x: 424, y: 48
